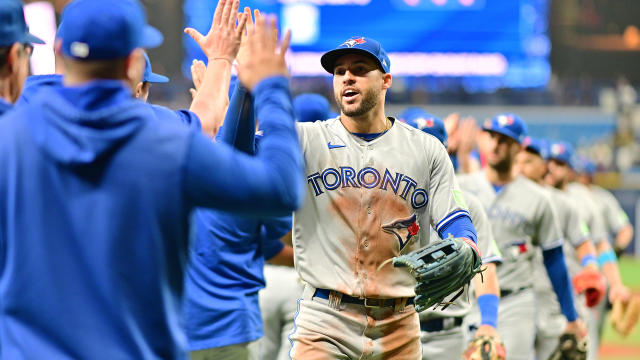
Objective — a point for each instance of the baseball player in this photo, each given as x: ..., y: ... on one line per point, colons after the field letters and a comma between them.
x: 16, y: 45
x: 560, y: 176
x: 579, y: 250
x: 443, y: 335
x: 96, y: 192
x: 226, y: 262
x: 615, y: 218
x: 522, y: 217
x: 278, y: 300
x: 141, y: 90
x: 374, y: 187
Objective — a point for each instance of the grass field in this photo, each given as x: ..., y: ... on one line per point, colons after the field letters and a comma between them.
x: 613, y: 346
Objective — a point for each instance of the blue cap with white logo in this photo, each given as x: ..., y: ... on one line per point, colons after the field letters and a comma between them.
x: 357, y: 45
x: 311, y: 107
x: 149, y: 76
x: 422, y: 120
x: 13, y: 28
x: 562, y: 151
x: 507, y: 124
x: 103, y: 30
x: 536, y: 145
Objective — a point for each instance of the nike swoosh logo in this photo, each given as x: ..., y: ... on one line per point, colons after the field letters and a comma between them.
x: 335, y: 146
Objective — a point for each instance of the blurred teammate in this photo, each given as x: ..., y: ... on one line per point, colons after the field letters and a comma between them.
x: 96, y: 191
x: 560, y: 175
x: 443, y: 335
x: 369, y: 179
x: 616, y: 220
x: 579, y: 251
x: 522, y: 217
x: 141, y: 90
x: 310, y: 107
x: 16, y: 45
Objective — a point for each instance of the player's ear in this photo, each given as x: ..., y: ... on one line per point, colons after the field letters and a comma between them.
x: 386, y: 81
x: 13, y: 58
x: 137, y: 92
x: 135, y: 67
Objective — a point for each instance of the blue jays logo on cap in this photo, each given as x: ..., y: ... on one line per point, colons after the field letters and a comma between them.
x: 563, y: 152
x: 353, y: 42
x: 422, y: 120
x: 357, y: 45
x: 509, y: 125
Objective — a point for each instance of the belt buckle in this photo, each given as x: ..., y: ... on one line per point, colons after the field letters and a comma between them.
x: 373, y: 303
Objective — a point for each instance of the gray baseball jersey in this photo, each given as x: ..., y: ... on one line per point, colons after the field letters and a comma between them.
x: 614, y: 216
x: 490, y: 253
x: 591, y: 211
x: 367, y: 202
x: 521, y: 217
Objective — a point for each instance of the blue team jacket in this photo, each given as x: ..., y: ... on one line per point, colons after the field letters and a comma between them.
x: 96, y: 191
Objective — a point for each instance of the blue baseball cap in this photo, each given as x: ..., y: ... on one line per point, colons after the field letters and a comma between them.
x: 310, y: 107
x: 103, y: 30
x: 536, y: 145
x: 584, y: 165
x: 422, y: 120
x: 357, y: 45
x: 507, y: 124
x: 13, y: 27
x: 149, y: 76
x: 562, y: 151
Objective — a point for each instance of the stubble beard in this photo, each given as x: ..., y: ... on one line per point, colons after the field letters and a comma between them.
x: 369, y: 101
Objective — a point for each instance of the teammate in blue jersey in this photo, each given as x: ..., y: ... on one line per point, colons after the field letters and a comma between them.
x: 16, y: 45
x: 225, y: 271
x: 141, y: 90
x: 96, y: 191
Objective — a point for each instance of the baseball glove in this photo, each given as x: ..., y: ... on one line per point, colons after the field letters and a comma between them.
x: 592, y: 283
x: 441, y: 269
x: 485, y: 347
x: 570, y: 348
x: 624, y: 315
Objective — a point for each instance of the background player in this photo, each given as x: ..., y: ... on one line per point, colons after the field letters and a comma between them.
x: 367, y: 176
x: 522, y: 217
x: 16, y: 45
x: 126, y: 186
x: 579, y: 251
x: 443, y: 335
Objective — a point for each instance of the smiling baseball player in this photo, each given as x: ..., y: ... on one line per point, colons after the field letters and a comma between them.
x: 374, y: 187
x: 522, y: 217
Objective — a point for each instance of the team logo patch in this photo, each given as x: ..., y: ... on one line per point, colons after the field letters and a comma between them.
x: 424, y: 123
x: 353, y: 42
x: 399, y: 228
x: 557, y: 149
x: 505, y: 120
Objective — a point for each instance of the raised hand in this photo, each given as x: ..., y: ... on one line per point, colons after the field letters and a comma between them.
x: 267, y: 58
x: 222, y: 42
x: 198, y: 68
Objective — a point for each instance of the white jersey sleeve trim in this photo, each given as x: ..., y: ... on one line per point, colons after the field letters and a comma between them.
x: 552, y: 245
x: 449, y: 218
x: 492, y: 259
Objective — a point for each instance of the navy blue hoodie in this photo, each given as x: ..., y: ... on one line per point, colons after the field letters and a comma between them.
x: 96, y: 191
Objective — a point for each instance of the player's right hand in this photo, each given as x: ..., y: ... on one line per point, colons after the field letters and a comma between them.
x: 222, y: 42
x: 577, y: 328
x: 267, y: 58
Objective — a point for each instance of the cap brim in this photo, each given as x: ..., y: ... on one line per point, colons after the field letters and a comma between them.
x: 151, y: 37
x: 157, y: 78
x: 30, y: 38
x: 328, y: 60
x: 504, y: 132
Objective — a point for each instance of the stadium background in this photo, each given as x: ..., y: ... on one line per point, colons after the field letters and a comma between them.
x: 569, y: 68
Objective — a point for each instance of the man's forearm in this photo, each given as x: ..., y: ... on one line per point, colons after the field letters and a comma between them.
x: 212, y: 99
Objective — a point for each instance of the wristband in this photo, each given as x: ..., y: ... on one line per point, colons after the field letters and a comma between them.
x: 488, y: 304
x: 607, y: 257
x: 588, y: 260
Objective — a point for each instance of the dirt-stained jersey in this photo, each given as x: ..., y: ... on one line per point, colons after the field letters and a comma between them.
x: 368, y: 201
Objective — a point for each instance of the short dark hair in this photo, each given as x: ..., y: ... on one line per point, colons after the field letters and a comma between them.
x: 4, y: 55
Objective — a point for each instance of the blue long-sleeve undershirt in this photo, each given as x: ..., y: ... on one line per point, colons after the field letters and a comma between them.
x: 216, y: 176
x: 559, y: 276
x: 240, y: 122
x: 459, y: 227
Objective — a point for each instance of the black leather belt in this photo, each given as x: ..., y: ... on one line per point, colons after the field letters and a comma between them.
x: 505, y: 292
x: 367, y: 302
x: 440, y: 324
